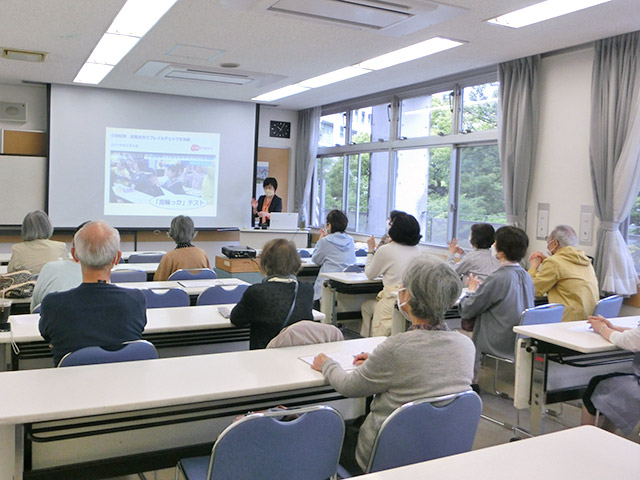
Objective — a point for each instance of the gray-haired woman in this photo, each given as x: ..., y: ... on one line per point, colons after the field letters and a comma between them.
x: 428, y: 360
x: 36, y: 248
x: 185, y: 255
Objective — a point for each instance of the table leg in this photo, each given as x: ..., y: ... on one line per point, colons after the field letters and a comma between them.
x: 538, y: 386
x: 328, y: 303
x: 11, y: 452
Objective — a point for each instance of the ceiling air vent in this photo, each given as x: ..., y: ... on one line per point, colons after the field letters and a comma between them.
x: 395, y: 18
x: 218, y: 76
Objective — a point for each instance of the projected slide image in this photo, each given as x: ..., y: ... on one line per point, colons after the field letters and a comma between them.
x: 152, y: 172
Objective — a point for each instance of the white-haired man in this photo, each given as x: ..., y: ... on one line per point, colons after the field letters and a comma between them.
x: 567, y: 276
x: 95, y: 313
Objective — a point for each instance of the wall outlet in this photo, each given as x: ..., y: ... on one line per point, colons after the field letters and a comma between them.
x: 585, y: 234
x: 542, y: 227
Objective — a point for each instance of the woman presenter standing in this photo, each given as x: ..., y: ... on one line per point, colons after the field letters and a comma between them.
x: 267, y: 203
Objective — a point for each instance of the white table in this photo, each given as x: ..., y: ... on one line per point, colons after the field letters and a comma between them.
x: 544, y: 371
x: 349, y: 283
x: 4, y: 258
x: 127, y: 254
x: 254, y: 238
x: 582, y: 453
x: 181, y: 401
x: 145, y: 267
x: 192, y: 287
x: 174, y: 331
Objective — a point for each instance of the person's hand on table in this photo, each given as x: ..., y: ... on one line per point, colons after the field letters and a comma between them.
x: 454, y: 248
x: 264, y: 214
x: 318, y: 361
x: 599, y: 323
x: 473, y: 282
x: 371, y: 244
x: 360, y: 358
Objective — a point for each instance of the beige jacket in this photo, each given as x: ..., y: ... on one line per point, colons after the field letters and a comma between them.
x: 34, y: 254
x: 567, y: 277
x: 181, y: 258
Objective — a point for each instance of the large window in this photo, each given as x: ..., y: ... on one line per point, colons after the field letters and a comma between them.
x: 431, y: 154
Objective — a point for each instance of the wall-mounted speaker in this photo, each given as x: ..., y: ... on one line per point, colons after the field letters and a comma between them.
x: 13, y: 112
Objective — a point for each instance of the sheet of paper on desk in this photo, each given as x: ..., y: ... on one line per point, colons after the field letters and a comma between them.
x: 224, y: 311
x: 344, y: 359
x: 196, y: 283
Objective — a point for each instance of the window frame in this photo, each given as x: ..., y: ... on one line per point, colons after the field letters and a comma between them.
x: 457, y: 139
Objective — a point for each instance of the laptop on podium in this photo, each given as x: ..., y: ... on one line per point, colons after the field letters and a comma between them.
x: 283, y: 221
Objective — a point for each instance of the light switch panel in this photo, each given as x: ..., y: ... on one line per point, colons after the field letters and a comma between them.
x: 542, y: 227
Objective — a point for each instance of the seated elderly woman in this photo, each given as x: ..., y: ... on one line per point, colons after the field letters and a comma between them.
x: 497, y: 303
x: 615, y: 395
x: 427, y: 360
x: 480, y: 260
x: 185, y: 255
x: 36, y: 248
x: 279, y: 300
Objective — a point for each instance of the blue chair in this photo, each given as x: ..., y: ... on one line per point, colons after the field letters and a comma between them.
x: 304, y: 254
x: 145, y: 257
x: 548, y: 313
x: 425, y: 430
x: 219, y: 295
x: 127, y: 352
x: 173, y: 297
x: 124, y: 276
x: 262, y: 446
x: 193, y: 274
x: 609, y: 307
x: 355, y: 268
x: 361, y: 252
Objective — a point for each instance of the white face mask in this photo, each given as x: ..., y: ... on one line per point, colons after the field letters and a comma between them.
x: 400, y: 305
x: 387, y: 227
x: 269, y: 192
x: 494, y: 253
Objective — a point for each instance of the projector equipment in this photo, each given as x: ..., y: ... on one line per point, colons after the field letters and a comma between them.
x: 238, y: 252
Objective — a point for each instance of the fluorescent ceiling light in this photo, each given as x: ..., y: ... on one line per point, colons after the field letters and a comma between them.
x: 24, y: 55
x: 412, y: 52
x: 280, y: 93
x: 132, y: 23
x: 92, y: 73
x: 543, y: 11
x: 333, y: 77
x: 112, y: 48
x: 137, y: 17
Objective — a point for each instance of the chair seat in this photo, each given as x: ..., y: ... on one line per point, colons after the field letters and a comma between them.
x: 195, y: 467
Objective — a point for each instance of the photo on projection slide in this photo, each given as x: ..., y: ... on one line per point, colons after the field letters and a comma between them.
x: 154, y: 172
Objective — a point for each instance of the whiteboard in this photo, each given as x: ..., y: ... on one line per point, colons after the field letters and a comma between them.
x: 23, y: 187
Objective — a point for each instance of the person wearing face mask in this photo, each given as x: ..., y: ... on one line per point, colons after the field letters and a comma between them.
x: 427, y: 360
x: 267, y: 203
x: 497, y: 303
x: 481, y: 259
x: 566, y: 275
x: 335, y: 250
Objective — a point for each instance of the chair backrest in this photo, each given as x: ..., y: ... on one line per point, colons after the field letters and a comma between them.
x: 426, y: 429
x: 304, y: 254
x: 549, y: 313
x: 306, y: 332
x: 260, y: 445
x: 354, y: 268
x: 609, y: 307
x: 128, y: 352
x: 219, y: 295
x: 145, y: 257
x: 173, y: 297
x: 193, y: 274
x: 123, y: 276
x: 361, y: 252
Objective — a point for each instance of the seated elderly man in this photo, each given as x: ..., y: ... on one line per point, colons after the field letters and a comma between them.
x: 95, y: 313
x: 567, y: 276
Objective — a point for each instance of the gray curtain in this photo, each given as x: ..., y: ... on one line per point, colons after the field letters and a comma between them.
x: 518, y: 127
x: 306, y: 150
x: 614, y: 152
